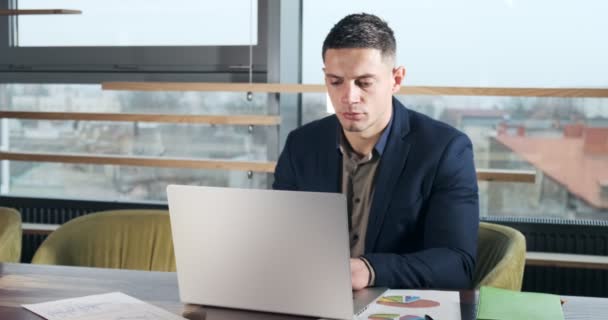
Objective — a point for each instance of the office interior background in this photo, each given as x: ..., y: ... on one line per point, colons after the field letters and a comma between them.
x: 529, y: 71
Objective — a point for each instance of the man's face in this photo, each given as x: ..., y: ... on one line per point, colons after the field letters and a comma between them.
x: 360, y: 83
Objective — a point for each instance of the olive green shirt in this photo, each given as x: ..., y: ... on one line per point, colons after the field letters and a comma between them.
x: 358, y: 185
x: 358, y: 175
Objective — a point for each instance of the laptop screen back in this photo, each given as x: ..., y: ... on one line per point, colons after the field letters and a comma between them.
x: 264, y: 250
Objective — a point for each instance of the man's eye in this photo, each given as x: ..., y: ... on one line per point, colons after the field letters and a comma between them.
x: 364, y: 84
x: 335, y: 83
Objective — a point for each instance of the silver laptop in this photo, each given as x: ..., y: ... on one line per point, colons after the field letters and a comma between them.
x: 264, y: 250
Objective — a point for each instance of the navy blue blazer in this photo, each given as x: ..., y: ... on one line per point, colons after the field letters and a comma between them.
x: 424, y: 216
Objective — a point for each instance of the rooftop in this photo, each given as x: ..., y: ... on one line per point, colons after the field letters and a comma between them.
x: 568, y: 160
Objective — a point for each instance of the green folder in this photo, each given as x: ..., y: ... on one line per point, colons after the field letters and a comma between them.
x: 501, y: 304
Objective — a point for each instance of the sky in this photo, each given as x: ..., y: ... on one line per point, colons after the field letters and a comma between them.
x: 495, y: 43
x: 140, y: 22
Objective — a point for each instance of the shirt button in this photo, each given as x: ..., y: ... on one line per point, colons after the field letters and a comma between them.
x: 357, y: 200
x: 355, y: 237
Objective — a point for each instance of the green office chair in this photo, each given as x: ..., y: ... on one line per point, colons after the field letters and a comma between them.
x: 10, y: 235
x: 501, y: 257
x: 123, y: 239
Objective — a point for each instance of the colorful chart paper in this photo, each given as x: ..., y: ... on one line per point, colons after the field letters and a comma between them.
x: 408, y: 302
x: 414, y: 305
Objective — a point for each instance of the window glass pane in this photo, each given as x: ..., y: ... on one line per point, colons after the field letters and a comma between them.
x: 139, y: 23
x: 565, y: 140
x: 109, y: 182
x: 148, y: 139
x: 315, y: 106
x: 543, y: 43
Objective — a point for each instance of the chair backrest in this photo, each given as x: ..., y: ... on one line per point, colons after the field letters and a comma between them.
x: 124, y: 239
x: 10, y: 235
x: 501, y: 257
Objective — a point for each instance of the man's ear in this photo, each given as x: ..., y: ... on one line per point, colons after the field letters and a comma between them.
x: 398, y: 77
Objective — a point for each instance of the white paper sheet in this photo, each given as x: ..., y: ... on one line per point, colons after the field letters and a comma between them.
x: 109, y: 306
x: 414, y: 305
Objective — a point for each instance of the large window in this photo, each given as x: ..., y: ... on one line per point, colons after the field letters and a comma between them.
x: 479, y: 44
x: 54, y: 64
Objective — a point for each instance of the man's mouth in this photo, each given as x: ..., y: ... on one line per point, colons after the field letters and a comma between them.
x: 352, y: 115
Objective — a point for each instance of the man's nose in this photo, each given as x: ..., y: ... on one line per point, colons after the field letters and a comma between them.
x: 351, y: 94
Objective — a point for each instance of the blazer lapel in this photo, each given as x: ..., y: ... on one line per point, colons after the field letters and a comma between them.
x: 391, y: 165
x: 330, y: 162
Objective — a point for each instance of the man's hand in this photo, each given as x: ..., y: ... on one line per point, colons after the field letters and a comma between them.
x: 359, y: 274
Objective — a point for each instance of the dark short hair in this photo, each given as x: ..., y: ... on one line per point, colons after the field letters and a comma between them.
x: 361, y: 30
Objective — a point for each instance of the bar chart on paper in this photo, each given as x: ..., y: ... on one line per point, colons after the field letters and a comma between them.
x: 408, y: 302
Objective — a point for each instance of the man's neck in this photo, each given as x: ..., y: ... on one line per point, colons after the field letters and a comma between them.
x: 362, y: 145
x: 364, y: 142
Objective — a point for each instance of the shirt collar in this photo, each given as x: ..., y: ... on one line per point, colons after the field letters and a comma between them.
x: 381, y: 144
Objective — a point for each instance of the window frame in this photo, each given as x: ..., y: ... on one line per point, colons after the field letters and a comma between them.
x: 137, y: 63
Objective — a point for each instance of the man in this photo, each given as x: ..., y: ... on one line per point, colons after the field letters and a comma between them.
x: 409, y: 180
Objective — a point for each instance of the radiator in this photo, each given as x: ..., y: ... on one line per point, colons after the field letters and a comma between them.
x: 563, y: 236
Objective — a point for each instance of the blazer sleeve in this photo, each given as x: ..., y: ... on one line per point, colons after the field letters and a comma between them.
x: 451, y: 221
x: 284, y: 174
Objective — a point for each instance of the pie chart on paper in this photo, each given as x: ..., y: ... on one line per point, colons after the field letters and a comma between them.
x: 390, y: 316
x: 407, y: 302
